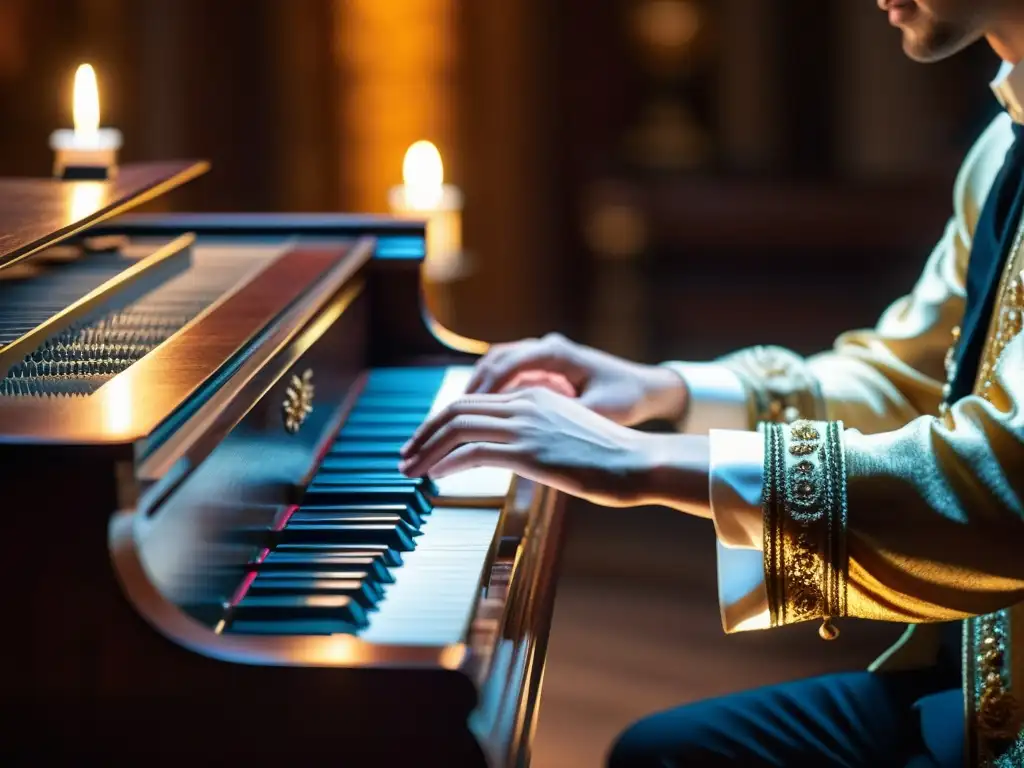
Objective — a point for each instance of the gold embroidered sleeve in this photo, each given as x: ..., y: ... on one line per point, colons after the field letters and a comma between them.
x: 780, y: 385
x: 920, y: 524
x: 804, y: 507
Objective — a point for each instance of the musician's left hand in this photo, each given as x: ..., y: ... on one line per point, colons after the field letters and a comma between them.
x: 558, y: 441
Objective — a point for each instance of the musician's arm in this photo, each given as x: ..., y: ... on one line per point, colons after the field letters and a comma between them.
x: 873, y: 381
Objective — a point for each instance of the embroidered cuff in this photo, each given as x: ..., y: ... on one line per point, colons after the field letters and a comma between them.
x: 804, y: 505
x: 781, y: 386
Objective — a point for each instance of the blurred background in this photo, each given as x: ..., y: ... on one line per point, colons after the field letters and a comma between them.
x: 661, y: 178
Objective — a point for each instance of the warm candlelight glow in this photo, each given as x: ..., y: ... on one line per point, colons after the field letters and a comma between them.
x: 86, y: 101
x: 117, y: 405
x: 86, y: 198
x: 423, y: 175
x: 87, y: 151
x: 423, y: 195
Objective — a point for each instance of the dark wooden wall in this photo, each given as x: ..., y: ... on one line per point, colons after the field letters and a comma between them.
x: 822, y: 132
x: 832, y: 168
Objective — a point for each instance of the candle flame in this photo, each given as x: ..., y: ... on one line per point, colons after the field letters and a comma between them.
x: 423, y: 175
x: 87, y: 100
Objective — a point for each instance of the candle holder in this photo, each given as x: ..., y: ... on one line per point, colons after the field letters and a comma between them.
x: 85, y: 156
x: 443, y: 214
x: 88, y: 152
x: 424, y: 196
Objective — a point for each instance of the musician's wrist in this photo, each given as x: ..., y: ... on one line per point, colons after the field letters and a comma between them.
x: 678, y: 470
x: 666, y: 394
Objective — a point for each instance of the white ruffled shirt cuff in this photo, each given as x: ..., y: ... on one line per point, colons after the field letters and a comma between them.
x: 716, y: 398
x: 718, y: 407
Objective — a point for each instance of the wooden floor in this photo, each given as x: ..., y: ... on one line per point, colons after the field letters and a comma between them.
x: 637, y: 629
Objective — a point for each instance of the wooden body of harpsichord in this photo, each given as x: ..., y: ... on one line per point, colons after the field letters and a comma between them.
x: 210, y: 555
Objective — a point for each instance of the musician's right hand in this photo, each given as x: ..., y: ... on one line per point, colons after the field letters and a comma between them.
x: 625, y: 392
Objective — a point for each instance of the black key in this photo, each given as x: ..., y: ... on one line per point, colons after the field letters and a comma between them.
x: 411, y: 419
x: 369, y: 489
x: 318, y: 495
x: 373, y: 433
x: 423, y: 484
x: 361, y: 592
x: 359, y: 577
x: 366, y: 449
x: 349, y: 464
x: 340, y: 482
x: 388, y: 403
x: 312, y: 514
x: 356, y: 479
x: 300, y: 607
x: 312, y: 561
x: 384, y: 377
x: 292, y: 627
x: 392, y: 535
x: 346, y: 519
x: 388, y: 557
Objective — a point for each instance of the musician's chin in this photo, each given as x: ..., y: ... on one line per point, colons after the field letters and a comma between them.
x: 927, y: 41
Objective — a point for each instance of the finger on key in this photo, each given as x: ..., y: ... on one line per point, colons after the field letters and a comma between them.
x: 483, y: 455
x: 460, y: 431
x: 480, y: 405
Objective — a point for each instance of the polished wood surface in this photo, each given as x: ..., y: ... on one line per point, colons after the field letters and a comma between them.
x: 172, y: 373
x: 36, y: 213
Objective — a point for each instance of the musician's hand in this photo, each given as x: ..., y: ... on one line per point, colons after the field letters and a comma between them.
x: 561, y: 443
x: 627, y: 393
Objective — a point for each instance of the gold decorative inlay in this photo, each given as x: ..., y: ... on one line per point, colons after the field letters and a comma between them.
x: 298, y: 401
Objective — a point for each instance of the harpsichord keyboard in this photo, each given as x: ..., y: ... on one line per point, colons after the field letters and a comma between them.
x: 213, y: 556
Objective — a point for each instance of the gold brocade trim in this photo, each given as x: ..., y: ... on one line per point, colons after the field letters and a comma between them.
x: 995, y: 720
x: 782, y: 387
x: 994, y: 710
x: 804, y: 506
x: 1006, y: 324
x: 995, y: 717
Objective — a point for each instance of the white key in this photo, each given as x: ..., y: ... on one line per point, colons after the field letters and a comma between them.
x: 438, y: 583
x: 481, y: 485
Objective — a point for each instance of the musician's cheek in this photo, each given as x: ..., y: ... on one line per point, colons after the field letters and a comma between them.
x: 556, y: 382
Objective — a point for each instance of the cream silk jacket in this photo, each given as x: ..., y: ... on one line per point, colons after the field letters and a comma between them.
x: 842, y: 487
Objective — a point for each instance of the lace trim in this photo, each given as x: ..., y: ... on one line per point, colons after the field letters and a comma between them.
x: 804, y: 505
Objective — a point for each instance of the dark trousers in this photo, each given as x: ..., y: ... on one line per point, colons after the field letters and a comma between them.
x: 856, y: 720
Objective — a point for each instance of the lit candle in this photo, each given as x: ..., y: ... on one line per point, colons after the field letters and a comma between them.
x: 88, y: 151
x: 424, y: 195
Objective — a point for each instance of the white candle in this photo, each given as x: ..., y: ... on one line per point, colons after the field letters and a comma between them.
x: 424, y: 195
x: 87, y: 151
